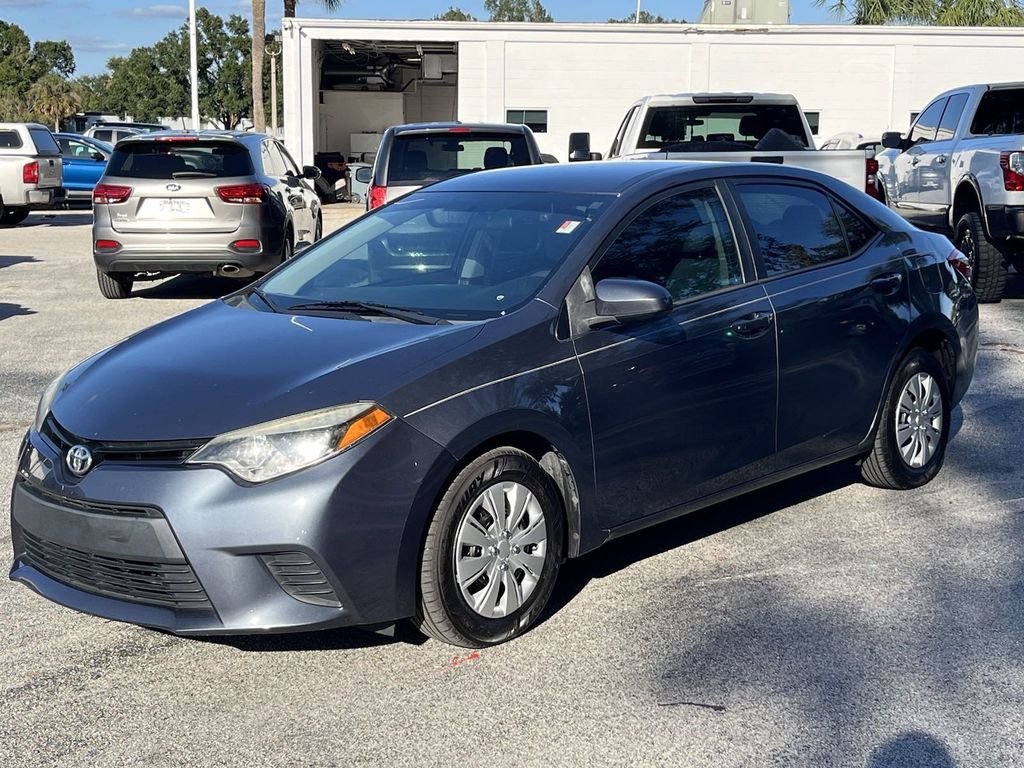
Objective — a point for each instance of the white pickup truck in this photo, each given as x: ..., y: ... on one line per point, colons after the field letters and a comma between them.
x: 960, y: 171
x: 31, y: 171
x: 731, y: 127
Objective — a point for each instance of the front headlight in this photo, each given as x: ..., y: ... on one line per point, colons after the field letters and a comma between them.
x: 49, y: 395
x: 277, y: 448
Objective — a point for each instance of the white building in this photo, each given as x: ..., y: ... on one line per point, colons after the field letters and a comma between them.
x: 347, y: 81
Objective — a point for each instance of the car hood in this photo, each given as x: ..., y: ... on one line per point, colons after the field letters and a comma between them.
x: 220, y: 368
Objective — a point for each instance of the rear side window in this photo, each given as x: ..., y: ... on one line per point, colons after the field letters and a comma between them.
x: 9, y: 140
x: 421, y: 159
x: 169, y: 160
x: 796, y: 227
x: 1000, y: 112
x: 43, y: 139
x: 683, y: 243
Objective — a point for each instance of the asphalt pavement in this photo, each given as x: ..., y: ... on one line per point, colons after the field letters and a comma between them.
x: 816, y: 623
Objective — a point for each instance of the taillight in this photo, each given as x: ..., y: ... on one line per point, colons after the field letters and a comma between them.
x: 111, y: 193
x: 960, y: 263
x: 871, y: 177
x: 377, y: 195
x: 107, y: 245
x: 246, y: 245
x: 242, y: 193
x: 30, y: 173
x: 1012, y: 164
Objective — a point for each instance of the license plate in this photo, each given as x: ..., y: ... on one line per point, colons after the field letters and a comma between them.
x: 174, y: 208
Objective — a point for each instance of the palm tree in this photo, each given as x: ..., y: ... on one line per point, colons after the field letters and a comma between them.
x: 329, y: 5
x: 259, y: 33
x: 53, y: 98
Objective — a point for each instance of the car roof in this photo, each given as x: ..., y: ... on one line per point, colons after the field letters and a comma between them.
x: 144, y: 138
x: 441, y: 127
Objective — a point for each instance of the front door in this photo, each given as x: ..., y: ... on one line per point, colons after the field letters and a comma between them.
x: 934, y: 166
x: 907, y: 165
x: 682, y: 405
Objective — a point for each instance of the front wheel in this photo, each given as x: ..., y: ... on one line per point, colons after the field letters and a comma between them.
x: 910, y: 443
x: 492, y: 551
x: 115, y: 285
x: 987, y: 263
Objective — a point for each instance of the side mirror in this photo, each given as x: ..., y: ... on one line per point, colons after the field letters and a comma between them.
x: 596, y: 156
x: 549, y: 159
x: 626, y: 299
x: 579, y: 147
x: 364, y: 175
x: 892, y: 140
x: 310, y: 172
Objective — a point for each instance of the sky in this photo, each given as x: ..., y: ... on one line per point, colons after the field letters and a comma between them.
x: 99, y: 29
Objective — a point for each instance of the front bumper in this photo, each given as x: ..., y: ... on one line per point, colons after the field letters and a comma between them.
x: 190, y: 550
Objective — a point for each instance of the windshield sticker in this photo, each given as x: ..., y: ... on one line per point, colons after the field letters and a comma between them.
x: 568, y: 227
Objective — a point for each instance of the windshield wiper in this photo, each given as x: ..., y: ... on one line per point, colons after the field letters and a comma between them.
x: 372, y: 308
x: 263, y: 297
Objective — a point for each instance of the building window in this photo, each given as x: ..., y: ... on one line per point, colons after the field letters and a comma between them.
x: 535, y: 119
x: 913, y: 117
x: 813, y: 119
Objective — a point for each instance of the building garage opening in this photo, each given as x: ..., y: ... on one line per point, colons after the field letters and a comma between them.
x: 367, y: 86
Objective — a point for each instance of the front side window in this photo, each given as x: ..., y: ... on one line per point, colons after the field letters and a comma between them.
x: 796, y: 227
x: 683, y: 243
x: 616, y: 149
x: 927, y: 123
x: 453, y: 255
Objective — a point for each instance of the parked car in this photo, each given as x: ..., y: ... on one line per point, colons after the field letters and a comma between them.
x: 960, y: 171
x: 427, y: 412
x: 85, y: 160
x: 727, y: 127
x: 113, y: 132
x: 852, y: 140
x: 413, y: 155
x: 31, y: 174
x: 215, y: 202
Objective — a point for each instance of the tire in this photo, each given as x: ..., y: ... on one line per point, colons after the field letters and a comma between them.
x: 115, y: 285
x: 13, y: 215
x: 444, y: 612
x: 287, y: 248
x: 887, y: 466
x: 318, y: 228
x: 989, y: 266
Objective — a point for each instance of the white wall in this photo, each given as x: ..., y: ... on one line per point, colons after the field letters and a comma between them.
x: 346, y: 112
x: 430, y: 102
x: 865, y: 79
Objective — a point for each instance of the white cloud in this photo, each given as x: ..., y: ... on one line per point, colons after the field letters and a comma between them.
x: 160, y: 11
x: 21, y: 3
x: 97, y: 45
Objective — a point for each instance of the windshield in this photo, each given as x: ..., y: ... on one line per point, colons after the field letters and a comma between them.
x: 718, y: 127
x: 451, y: 255
x: 172, y: 160
x: 419, y: 159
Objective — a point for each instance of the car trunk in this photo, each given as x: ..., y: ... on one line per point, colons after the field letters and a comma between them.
x: 51, y: 165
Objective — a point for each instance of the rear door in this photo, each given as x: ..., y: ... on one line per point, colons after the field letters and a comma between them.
x: 174, y: 184
x: 839, y: 292
x: 51, y: 166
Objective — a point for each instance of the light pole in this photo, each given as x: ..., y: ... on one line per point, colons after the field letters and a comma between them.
x: 273, y: 50
x: 193, y: 63
x: 637, y: 19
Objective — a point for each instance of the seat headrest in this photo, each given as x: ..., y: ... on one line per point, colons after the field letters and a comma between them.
x: 495, y: 157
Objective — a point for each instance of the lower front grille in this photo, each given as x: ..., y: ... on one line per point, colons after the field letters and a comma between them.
x: 301, y: 578
x: 170, y: 585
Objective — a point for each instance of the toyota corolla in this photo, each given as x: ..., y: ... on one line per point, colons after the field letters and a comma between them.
x: 425, y: 414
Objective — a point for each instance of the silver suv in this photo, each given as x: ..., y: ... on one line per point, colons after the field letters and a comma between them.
x: 31, y: 170
x: 214, y: 202
x: 114, y: 132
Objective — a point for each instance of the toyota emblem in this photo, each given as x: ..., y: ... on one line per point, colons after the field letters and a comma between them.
x: 173, y: 187
x: 78, y: 459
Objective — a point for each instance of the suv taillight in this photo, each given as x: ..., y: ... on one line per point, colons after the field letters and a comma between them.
x: 249, y: 194
x: 871, y: 177
x: 377, y: 196
x: 961, y: 264
x: 30, y: 173
x: 1012, y: 164
x: 110, y: 193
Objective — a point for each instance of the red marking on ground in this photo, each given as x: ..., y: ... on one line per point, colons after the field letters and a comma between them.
x: 459, y: 660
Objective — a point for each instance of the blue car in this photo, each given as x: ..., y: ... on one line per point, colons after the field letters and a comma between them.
x: 423, y: 415
x: 85, y: 160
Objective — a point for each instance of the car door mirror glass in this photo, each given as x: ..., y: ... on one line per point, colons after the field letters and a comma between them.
x: 627, y: 299
x: 310, y: 172
x: 364, y: 175
x: 892, y: 140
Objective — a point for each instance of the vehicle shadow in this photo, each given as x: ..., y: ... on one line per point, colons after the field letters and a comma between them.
x: 61, y: 219
x: 10, y: 261
x: 14, y: 310
x: 344, y: 639
x: 188, y: 287
x: 912, y: 749
x: 1014, y: 286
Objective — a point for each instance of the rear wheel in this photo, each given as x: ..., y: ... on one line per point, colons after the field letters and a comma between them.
x: 492, y: 551
x: 910, y: 443
x: 988, y: 265
x: 318, y: 229
x: 288, y: 249
x: 115, y: 285
x: 11, y: 215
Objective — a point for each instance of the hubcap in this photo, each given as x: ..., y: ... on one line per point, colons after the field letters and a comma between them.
x: 500, y: 549
x: 919, y: 420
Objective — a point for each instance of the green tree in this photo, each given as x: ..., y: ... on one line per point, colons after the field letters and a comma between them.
x: 454, y: 14
x: 975, y: 13
x: 23, y: 64
x: 517, y: 10
x: 138, y: 87
x: 53, y: 98
x: 646, y: 17
x: 49, y: 56
x: 94, y: 93
x: 329, y: 5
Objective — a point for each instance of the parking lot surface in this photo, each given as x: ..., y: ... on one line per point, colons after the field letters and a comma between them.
x: 816, y: 623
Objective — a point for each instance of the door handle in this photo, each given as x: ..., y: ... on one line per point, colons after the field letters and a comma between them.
x: 941, y: 159
x: 888, y: 283
x: 915, y: 160
x: 752, y: 325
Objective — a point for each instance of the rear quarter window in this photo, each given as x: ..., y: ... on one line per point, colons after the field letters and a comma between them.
x: 167, y: 160
x: 43, y: 139
x: 10, y: 140
x: 1000, y: 112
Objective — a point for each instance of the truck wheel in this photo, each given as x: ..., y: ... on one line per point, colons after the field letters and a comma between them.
x: 989, y: 267
x: 115, y: 285
x: 11, y: 215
